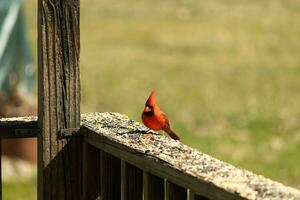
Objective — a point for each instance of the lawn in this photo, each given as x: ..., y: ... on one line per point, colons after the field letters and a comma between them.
x: 226, y: 72
x: 21, y: 190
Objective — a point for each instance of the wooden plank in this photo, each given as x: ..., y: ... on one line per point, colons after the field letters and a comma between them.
x: 110, y: 177
x: 194, y: 196
x: 175, y: 192
x: 153, y: 187
x: 132, y: 182
x: 123, y: 180
x: 18, y: 127
x: 154, y: 166
x: 91, y: 172
x: 59, y: 160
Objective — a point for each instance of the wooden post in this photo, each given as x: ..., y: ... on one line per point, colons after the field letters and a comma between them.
x: 132, y: 182
x: 59, y: 159
x: 153, y: 187
x: 110, y: 177
x: 91, y: 172
x: 175, y: 192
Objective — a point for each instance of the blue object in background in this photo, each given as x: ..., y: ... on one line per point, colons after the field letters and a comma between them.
x: 16, y: 62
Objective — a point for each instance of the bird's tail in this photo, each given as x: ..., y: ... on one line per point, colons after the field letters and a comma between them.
x: 172, y: 134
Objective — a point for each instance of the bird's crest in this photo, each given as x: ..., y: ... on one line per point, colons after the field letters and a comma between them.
x: 152, y: 99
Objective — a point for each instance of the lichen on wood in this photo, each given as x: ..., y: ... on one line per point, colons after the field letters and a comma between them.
x: 213, y: 172
x: 17, y: 120
x: 177, y: 161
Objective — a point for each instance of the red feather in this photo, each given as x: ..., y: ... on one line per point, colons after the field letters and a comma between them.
x: 155, y: 119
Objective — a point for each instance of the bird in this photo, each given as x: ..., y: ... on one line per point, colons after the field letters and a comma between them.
x: 156, y: 119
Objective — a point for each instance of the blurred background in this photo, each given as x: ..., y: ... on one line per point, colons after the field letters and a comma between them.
x: 17, y: 98
x: 226, y: 72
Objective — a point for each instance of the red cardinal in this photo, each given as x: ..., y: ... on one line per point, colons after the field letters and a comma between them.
x: 155, y: 119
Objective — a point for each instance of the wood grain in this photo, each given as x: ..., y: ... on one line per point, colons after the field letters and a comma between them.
x: 110, y: 177
x: 18, y: 127
x: 184, y: 166
x: 91, y: 173
x: 59, y: 160
x: 153, y: 187
x: 175, y: 192
x: 154, y: 166
x: 194, y: 196
x: 132, y: 182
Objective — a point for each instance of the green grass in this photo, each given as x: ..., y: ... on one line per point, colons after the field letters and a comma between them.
x: 23, y: 190
x: 226, y: 73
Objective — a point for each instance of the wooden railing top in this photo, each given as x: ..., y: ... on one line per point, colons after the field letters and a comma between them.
x: 18, y: 127
x: 134, y: 143
x: 127, y: 139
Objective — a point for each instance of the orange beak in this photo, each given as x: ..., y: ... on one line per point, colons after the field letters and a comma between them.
x: 147, y: 109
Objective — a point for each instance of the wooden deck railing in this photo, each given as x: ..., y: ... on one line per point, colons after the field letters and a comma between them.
x: 111, y: 157
x: 124, y: 160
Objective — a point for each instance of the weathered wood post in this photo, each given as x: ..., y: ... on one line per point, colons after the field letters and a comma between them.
x: 59, y: 157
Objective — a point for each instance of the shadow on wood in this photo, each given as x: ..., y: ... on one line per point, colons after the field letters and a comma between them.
x: 61, y: 178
